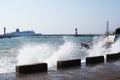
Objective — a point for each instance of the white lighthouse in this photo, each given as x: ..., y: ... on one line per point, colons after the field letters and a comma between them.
x: 107, y: 28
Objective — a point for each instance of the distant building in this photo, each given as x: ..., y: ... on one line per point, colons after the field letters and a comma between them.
x: 22, y: 33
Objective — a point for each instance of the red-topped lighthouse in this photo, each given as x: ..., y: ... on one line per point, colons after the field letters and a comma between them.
x: 76, y: 31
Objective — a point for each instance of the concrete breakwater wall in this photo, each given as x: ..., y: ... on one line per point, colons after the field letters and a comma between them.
x: 112, y: 57
x: 31, y: 68
x: 43, y: 67
x: 68, y: 63
x: 94, y: 60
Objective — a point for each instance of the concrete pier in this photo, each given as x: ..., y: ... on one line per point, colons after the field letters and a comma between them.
x: 32, y: 68
x: 107, y: 71
x: 94, y: 60
x: 68, y: 63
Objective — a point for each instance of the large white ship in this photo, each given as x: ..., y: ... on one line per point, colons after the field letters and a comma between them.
x: 22, y: 33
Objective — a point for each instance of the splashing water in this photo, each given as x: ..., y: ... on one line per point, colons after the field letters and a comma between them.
x: 47, y: 53
x: 33, y: 54
x: 7, y: 61
x: 115, y: 48
x: 68, y: 50
x: 50, y: 53
x: 99, y: 48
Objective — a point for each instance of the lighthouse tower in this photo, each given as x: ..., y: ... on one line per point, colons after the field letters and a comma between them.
x: 4, y: 31
x: 76, y: 31
x: 107, y: 29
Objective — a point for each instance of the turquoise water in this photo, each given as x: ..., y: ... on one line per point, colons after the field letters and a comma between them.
x: 7, y: 44
x: 49, y: 49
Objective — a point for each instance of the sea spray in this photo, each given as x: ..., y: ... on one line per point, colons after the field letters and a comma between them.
x: 115, y: 48
x: 8, y: 60
x: 98, y: 47
x: 34, y: 53
x: 49, y: 53
x: 62, y: 53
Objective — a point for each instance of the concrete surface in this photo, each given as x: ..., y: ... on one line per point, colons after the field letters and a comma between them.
x: 104, y: 71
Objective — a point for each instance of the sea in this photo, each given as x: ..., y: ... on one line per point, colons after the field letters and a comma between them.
x: 50, y: 49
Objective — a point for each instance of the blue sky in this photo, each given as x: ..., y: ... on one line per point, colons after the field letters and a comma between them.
x: 59, y: 16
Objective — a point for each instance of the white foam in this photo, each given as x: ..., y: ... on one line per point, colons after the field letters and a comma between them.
x: 115, y: 48
x: 49, y: 53
x: 34, y: 53
x: 44, y: 53
x: 99, y: 47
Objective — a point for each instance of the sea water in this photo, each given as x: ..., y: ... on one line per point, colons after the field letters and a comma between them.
x: 49, y: 49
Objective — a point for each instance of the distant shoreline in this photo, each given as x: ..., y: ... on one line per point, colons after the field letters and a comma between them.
x: 92, y: 35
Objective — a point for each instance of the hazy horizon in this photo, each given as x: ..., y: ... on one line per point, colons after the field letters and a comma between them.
x: 59, y: 16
